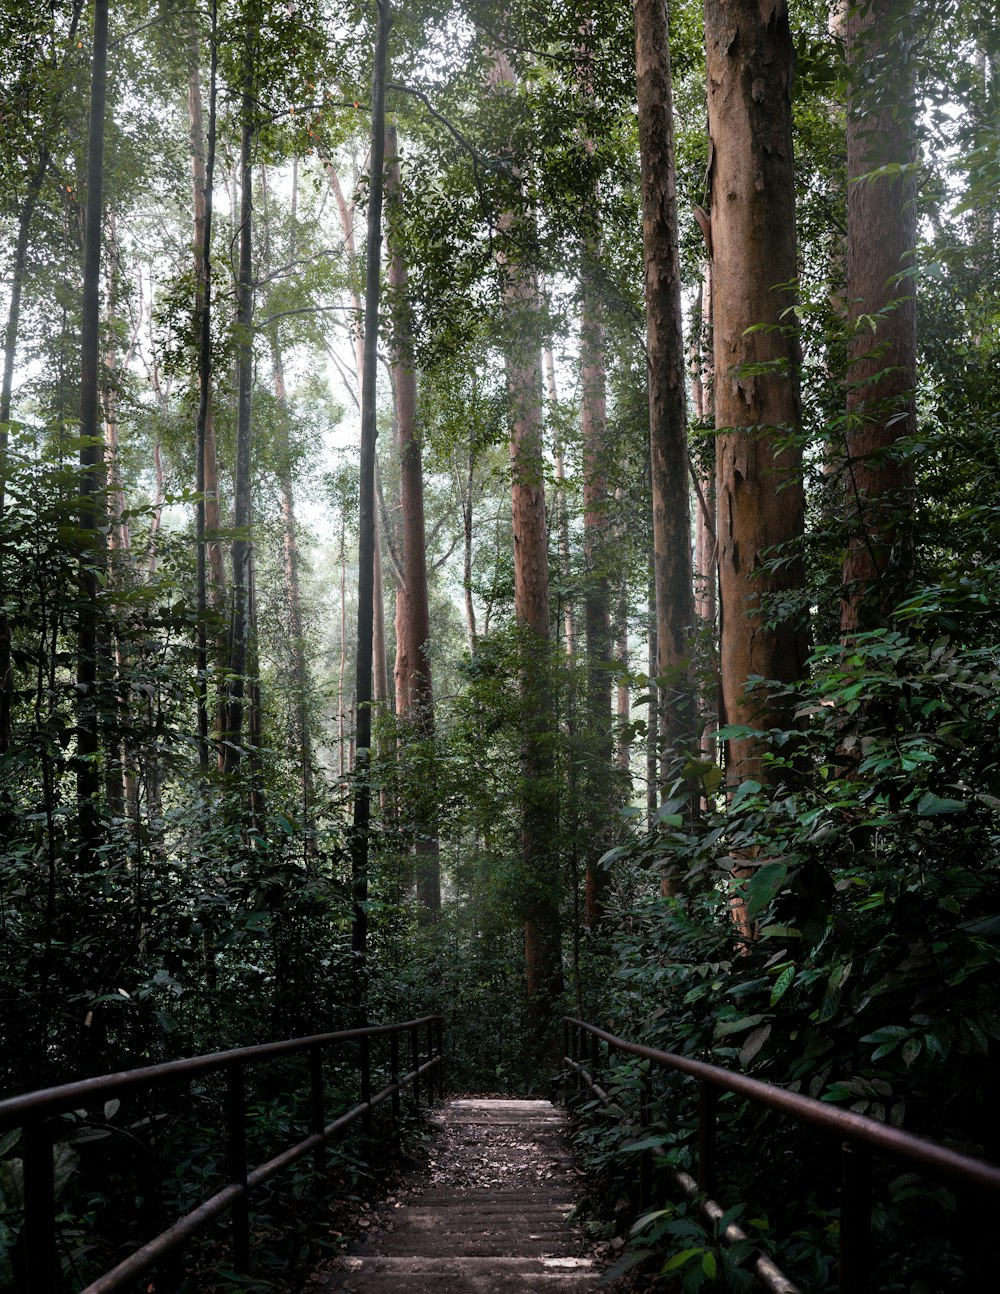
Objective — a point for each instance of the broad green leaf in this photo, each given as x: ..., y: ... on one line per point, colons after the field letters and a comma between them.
x: 782, y: 984
x: 931, y: 805
x: 678, y: 1260
x: 754, y: 1043
x: 725, y: 1027
x: 764, y: 885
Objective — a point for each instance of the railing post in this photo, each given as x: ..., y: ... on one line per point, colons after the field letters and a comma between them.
x: 708, y: 1099
x: 366, y: 1084
x: 855, y: 1217
x: 236, y: 1154
x: 317, y: 1110
x: 646, y: 1162
x: 439, y: 1028
x: 415, y: 1063
x: 39, y: 1247
x: 430, y: 1055
x: 595, y: 1055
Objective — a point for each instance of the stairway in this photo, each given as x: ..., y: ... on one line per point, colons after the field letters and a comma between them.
x: 490, y: 1216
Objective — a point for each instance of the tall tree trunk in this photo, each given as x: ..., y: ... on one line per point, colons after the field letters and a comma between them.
x: 596, y: 538
x: 465, y: 490
x: 121, y: 781
x: 239, y: 640
x: 706, y: 542
x: 91, y: 474
x: 342, y: 766
x: 206, y: 467
x: 203, y: 167
x: 366, y: 517
x: 881, y: 378
x: 666, y: 375
x: 539, y: 860
x: 562, y: 512
x: 289, y: 539
x: 379, y: 665
x: 597, y: 595
x: 119, y: 533
x: 652, y: 656
x: 414, y: 690
x: 623, y: 698
x: 760, y: 498
x: 380, y: 668
x: 293, y: 594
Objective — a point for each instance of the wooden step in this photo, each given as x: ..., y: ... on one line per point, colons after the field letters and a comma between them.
x: 489, y: 1217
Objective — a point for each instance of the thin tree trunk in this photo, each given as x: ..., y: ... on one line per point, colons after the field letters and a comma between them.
x: 666, y: 374
x: 881, y: 379
x: 565, y: 567
x: 203, y: 168
x: 255, y: 714
x: 540, y: 880
x: 379, y: 661
x: 366, y: 517
x: 121, y: 783
x: 380, y: 667
x: 706, y: 541
x: 341, y: 767
x: 119, y: 532
x: 760, y: 497
x: 91, y: 478
x: 652, y: 730
x: 293, y: 594
x: 239, y: 641
x: 414, y: 688
x: 623, y: 700
x: 289, y: 540
x: 466, y: 493
x: 206, y: 472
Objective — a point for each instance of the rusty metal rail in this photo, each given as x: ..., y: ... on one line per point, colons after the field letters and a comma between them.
x: 34, y: 1113
x: 860, y: 1139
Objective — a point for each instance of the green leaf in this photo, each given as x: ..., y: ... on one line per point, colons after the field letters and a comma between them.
x: 931, y: 805
x: 745, y: 789
x: 679, y: 1260
x: 725, y: 1027
x: 709, y: 1265
x: 888, y: 1033
x: 764, y: 886
x: 647, y: 1143
x: 782, y: 984
x: 647, y: 1220
x: 754, y: 1043
x: 624, y: 1264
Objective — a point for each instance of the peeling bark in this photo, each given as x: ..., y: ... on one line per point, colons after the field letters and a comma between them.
x: 760, y: 497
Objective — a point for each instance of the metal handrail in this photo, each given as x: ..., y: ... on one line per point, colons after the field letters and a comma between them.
x: 860, y: 1138
x: 33, y: 1112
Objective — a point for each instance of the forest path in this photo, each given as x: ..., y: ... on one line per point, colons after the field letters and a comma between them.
x: 490, y: 1216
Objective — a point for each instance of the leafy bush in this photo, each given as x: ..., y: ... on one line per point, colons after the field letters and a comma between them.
x: 868, y: 869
